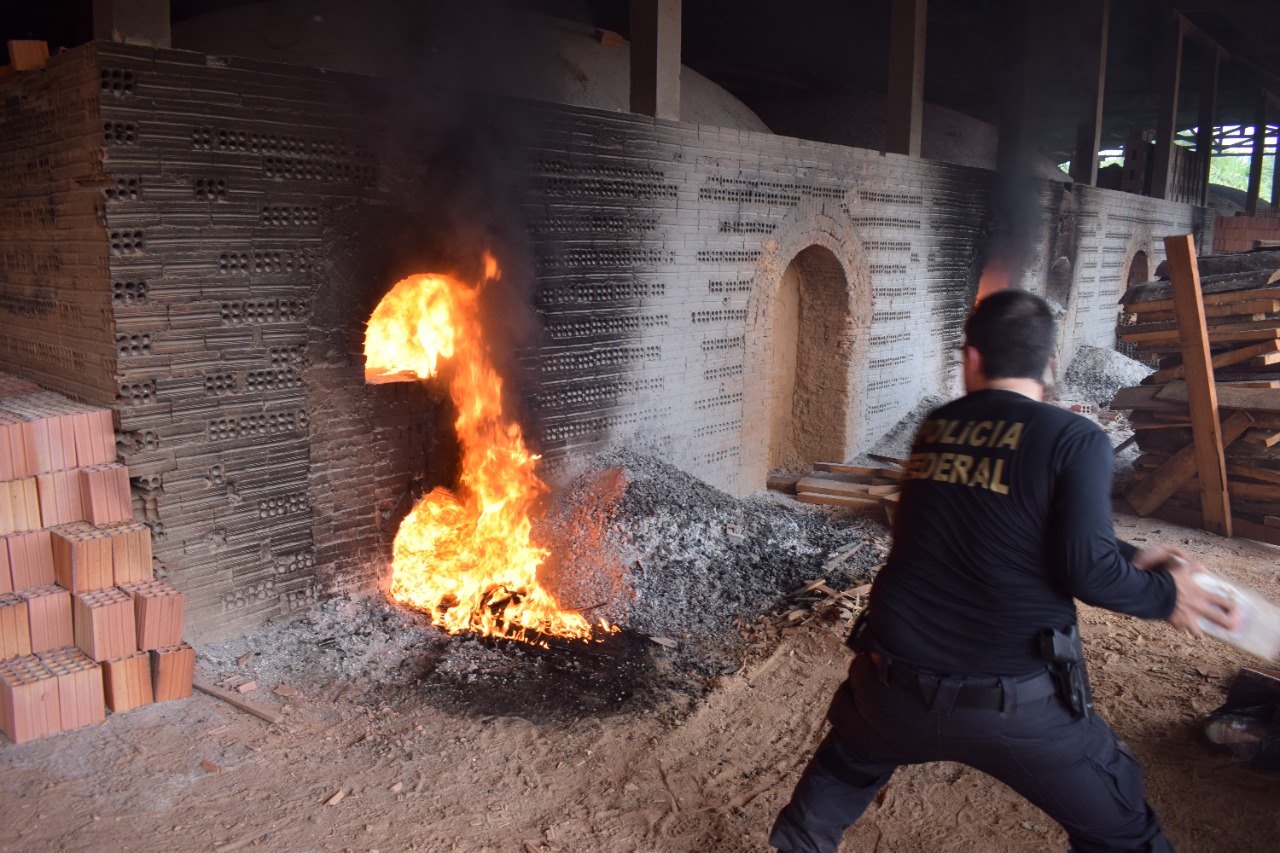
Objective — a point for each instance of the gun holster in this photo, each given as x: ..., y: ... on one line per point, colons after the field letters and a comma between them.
x: 859, y: 638
x: 1064, y: 654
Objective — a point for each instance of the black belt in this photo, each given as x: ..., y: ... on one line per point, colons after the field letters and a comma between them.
x: 1005, y: 695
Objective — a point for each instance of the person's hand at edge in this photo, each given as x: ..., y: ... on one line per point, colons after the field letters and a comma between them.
x: 1194, y: 601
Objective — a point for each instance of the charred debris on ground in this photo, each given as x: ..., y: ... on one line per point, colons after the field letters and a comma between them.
x: 698, y: 581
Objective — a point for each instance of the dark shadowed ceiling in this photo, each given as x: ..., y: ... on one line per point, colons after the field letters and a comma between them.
x: 766, y: 48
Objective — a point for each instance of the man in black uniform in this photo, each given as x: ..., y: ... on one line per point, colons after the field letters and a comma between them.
x: 969, y: 650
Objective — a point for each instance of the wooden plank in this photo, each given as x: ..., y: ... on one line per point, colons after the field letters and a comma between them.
x: 1251, y: 383
x: 868, y: 505
x: 1219, y: 311
x: 1221, y: 316
x: 1257, y: 400
x: 236, y: 702
x: 860, y: 470
x: 1229, y: 285
x: 1243, y: 493
x: 1223, y: 359
x: 1262, y: 438
x: 1237, y: 470
x: 1268, y: 492
x: 785, y: 483
x: 824, y: 486
x: 1220, y: 266
x: 1260, y: 330
x: 1145, y: 398
x: 1241, y: 526
x: 892, y: 460
x: 1206, y: 429
x: 1153, y: 490
x: 1214, y: 299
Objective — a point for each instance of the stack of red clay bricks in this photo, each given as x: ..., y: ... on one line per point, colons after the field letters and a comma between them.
x: 84, y: 624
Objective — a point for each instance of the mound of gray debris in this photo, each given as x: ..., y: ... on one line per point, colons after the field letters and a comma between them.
x: 1097, y: 373
x: 652, y: 548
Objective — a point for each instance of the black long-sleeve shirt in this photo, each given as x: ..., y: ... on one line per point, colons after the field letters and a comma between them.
x: 1004, y: 520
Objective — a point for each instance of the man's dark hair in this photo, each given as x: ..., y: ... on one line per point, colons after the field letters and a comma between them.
x: 1014, y: 332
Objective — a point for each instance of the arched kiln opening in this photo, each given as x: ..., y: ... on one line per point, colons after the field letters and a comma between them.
x: 1139, y: 270
x: 810, y: 404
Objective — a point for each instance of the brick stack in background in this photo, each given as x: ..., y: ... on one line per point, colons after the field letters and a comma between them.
x: 1242, y: 233
x: 84, y: 624
x: 225, y: 188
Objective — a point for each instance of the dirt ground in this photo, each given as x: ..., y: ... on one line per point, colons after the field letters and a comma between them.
x: 686, y: 771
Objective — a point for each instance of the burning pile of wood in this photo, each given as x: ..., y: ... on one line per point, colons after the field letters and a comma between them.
x: 1240, y: 296
x: 84, y: 625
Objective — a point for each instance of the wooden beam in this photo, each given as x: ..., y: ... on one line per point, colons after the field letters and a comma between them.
x: 1256, y: 157
x: 236, y: 702
x: 1221, y: 335
x: 1167, y: 110
x: 1257, y: 400
x: 1222, y: 359
x: 1236, y: 470
x: 1248, y: 529
x: 1084, y: 165
x: 1206, y: 430
x: 1148, y: 494
x: 904, y: 115
x: 860, y: 470
x: 655, y: 58
x: 1194, y: 34
x: 1275, y: 180
x: 1207, y: 119
x: 1217, y: 299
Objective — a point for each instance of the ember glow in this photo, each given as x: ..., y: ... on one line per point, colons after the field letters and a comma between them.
x: 467, y: 558
x: 995, y: 276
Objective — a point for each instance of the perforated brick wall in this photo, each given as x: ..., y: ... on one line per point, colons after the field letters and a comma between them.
x: 198, y: 242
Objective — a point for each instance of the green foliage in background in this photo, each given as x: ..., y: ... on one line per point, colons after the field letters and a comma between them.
x: 1233, y: 171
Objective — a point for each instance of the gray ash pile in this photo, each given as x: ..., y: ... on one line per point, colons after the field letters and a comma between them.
x: 1097, y: 373
x: 653, y: 549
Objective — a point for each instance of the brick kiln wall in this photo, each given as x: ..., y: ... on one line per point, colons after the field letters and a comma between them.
x: 661, y: 248
x: 172, y: 253
x: 198, y: 242
x: 56, y: 308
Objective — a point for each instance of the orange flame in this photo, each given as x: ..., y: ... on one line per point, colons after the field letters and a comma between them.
x: 995, y: 276
x: 468, y: 559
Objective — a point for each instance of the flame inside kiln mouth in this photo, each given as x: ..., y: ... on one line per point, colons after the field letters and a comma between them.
x: 467, y: 556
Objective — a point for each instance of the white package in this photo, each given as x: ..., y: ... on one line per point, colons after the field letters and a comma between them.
x: 1259, y: 632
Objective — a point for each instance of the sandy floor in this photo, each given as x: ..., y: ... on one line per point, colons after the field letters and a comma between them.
x: 678, y: 774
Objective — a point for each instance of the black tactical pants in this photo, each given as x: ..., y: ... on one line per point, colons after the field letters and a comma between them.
x: 1076, y: 770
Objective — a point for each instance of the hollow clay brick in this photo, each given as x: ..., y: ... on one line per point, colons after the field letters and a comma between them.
x: 82, y: 559
x: 49, y: 615
x: 128, y: 682
x: 103, y: 623
x: 30, y: 558
x: 29, y: 706
x: 15, y: 627
x: 172, y: 671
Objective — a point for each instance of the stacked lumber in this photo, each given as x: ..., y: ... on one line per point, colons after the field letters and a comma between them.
x: 864, y: 489
x: 1241, y: 298
x: 84, y: 623
x: 1242, y: 312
